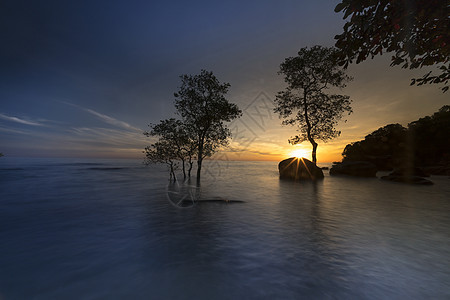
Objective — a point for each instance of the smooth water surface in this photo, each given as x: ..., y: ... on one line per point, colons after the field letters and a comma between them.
x: 107, y: 229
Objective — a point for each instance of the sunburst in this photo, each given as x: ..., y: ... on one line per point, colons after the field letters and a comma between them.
x: 299, y: 152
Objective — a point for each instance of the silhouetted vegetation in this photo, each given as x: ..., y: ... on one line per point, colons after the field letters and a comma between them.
x: 385, y: 147
x: 174, y: 133
x: 203, y: 108
x: 424, y: 143
x: 305, y: 101
x: 415, y: 30
x: 162, y: 152
x: 431, y: 138
x: 201, y: 103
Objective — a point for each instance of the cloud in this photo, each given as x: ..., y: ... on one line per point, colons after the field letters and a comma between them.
x: 111, y: 120
x: 21, y: 121
x: 105, y: 118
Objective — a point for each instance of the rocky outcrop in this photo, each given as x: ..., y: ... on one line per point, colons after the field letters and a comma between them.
x: 299, y: 169
x: 408, y: 175
x: 354, y: 168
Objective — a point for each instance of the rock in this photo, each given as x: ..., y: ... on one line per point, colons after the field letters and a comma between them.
x: 409, y: 175
x: 324, y: 168
x: 408, y: 172
x: 407, y: 179
x: 299, y: 168
x: 354, y: 168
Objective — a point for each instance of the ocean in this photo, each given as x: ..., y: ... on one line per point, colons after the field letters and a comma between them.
x: 116, y: 229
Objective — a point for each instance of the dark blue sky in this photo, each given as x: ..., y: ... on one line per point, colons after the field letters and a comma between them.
x: 84, y: 78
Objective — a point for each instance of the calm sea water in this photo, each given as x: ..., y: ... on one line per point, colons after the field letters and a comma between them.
x: 104, y: 229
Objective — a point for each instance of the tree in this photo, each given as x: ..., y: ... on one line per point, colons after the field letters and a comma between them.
x: 416, y: 31
x: 431, y: 140
x: 176, y: 134
x: 386, y: 147
x: 201, y: 103
x: 162, y: 152
x: 424, y: 143
x: 305, y: 102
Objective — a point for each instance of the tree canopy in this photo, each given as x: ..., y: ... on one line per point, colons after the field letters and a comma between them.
x: 162, y: 151
x: 174, y: 133
x: 424, y: 143
x: 416, y: 31
x: 305, y: 102
x: 386, y: 147
x: 201, y: 104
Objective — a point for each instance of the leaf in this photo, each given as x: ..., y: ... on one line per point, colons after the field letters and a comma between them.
x: 339, y: 7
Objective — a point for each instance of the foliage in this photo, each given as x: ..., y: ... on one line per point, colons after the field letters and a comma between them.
x: 416, y: 31
x: 385, y: 147
x: 305, y: 102
x: 174, y: 133
x: 201, y: 103
x: 431, y: 138
x: 162, y: 152
x: 424, y: 143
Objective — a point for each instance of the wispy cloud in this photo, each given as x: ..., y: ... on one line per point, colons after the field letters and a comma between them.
x: 105, y: 118
x: 111, y: 120
x: 19, y: 120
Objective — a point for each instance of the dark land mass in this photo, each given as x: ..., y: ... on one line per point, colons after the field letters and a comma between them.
x: 424, y: 144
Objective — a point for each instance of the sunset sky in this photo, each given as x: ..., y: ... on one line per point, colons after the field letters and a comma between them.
x: 85, y: 78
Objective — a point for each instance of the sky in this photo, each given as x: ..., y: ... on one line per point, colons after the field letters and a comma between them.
x: 85, y: 78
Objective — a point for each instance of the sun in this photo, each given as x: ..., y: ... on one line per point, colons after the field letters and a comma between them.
x: 299, y: 153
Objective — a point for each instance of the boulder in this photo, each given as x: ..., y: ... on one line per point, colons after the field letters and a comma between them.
x: 413, y: 171
x: 407, y: 179
x: 298, y: 169
x: 412, y: 175
x: 354, y: 168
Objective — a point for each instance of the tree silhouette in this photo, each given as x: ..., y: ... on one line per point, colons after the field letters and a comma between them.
x: 386, y: 147
x: 424, y: 143
x: 416, y: 31
x: 431, y: 140
x: 305, y: 102
x: 201, y: 103
x: 175, y: 133
x: 162, y: 152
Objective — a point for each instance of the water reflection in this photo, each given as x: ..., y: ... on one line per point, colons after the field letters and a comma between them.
x: 117, y: 234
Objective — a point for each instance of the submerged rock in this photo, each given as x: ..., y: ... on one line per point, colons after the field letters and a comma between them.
x: 298, y: 169
x: 414, y: 171
x: 354, y: 168
x: 408, y: 175
x: 407, y: 179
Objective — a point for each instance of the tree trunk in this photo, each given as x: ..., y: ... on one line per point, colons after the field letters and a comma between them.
x: 314, y: 151
x: 184, y: 170
x: 308, y: 128
x: 172, y: 173
x: 191, y: 163
x: 199, y: 169
x: 199, y: 161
